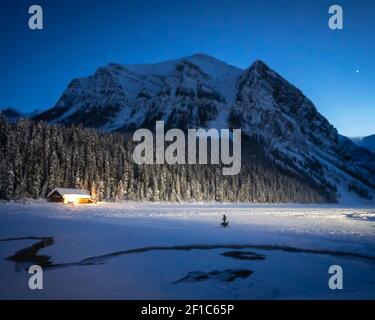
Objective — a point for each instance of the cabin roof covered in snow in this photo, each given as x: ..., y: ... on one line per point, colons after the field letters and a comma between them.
x: 65, y: 192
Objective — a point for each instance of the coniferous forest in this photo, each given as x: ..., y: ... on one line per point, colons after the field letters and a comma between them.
x: 37, y: 157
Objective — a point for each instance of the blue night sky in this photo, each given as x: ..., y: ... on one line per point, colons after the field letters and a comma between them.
x: 291, y: 36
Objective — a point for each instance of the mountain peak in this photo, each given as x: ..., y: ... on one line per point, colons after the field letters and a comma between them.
x: 257, y: 70
x: 259, y: 65
x: 203, y: 57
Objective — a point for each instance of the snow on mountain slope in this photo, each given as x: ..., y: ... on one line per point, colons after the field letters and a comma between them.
x: 194, y: 89
x: 201, y: 91
x: 297, y: 136
x: 192, y: 71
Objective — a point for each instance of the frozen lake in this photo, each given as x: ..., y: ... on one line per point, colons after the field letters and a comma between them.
x: 180, y: 251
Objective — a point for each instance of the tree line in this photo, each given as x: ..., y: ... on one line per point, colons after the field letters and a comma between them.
x: 37, y: 157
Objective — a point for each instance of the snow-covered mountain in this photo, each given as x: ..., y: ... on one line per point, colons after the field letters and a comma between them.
x: 365, y: 142
x: 189, y: 92
x: 359, y: 155
x: 201, y: 91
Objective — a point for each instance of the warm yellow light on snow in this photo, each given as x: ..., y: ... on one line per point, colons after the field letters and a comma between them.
x: 74, y: 198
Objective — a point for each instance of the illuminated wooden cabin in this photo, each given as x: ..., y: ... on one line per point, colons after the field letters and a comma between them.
x: 74, y: 196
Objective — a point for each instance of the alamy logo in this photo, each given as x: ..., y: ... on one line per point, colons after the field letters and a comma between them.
x: 36, y: 20
x: 36, y: 280
x: 336, y: 21
x: 336, y: 280
x: 175, y: 153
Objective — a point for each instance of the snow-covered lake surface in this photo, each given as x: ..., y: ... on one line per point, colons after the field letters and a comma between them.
x: 180, y: 251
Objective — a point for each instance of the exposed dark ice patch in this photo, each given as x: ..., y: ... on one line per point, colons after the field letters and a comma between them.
x: 243, y: 255
x: 28, y: 256
x: 360, y: 216
x: 23, y: 258
x: 224, y: 276
x: 23, y: 238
